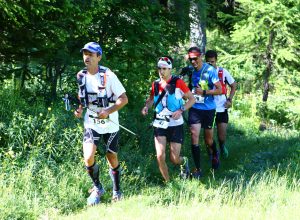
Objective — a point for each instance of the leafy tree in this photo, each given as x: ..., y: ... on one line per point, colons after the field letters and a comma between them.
x: 265, y: 36
x: 39, y: 32
x: 45, y: 38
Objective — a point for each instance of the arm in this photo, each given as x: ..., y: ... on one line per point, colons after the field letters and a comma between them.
x: 191, y: 101
x: 216, y: 91
x: 78, y: 112
x: 187, y: 95
x: 120, y: 103
x: 228, y: 103
x: 148, y: 104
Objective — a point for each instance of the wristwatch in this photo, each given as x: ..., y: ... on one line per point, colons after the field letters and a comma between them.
x: 182, y: 108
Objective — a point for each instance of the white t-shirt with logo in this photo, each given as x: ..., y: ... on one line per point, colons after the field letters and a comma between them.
x: 114, y: 89
x: 220, y: 100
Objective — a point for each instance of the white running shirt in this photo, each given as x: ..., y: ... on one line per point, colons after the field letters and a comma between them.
x: 113, y: 88
x: 220, y: 100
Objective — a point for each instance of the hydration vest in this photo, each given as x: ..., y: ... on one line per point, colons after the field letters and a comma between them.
x: 223, y: 84
x: 172, y: 103
x: 102, y: 99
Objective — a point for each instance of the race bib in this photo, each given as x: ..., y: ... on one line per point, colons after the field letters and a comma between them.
x: 199, y: 98
x: 98, y: 121
x: 161, y: 121
x: 158, y: 123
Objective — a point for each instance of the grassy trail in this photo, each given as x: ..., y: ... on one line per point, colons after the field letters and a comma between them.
x: 259, y: 180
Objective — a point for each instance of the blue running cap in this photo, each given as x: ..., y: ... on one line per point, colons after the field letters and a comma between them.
x: 93, y: 47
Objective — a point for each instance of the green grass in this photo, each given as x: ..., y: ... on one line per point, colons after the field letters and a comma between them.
x: 269, y: 196
x: 46, y: 179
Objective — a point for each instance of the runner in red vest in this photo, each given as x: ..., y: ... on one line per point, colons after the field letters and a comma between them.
x: 167, y: 95
x: 222, y: 101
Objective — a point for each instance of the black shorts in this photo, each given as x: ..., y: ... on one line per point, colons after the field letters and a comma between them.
x: 203, y: 117
x: 110, y: 139
x: 173, y: 133
x: 222, y: 117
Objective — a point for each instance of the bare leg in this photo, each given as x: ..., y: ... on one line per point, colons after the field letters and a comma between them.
x: 160, y: 145
x: 175, y: 153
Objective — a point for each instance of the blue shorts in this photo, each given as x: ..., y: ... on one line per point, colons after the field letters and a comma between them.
x: 204, y: 117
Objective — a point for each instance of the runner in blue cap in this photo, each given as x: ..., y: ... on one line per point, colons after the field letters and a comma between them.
x: 102, y: 95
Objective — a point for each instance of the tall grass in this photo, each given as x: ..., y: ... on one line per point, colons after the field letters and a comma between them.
x: 42, y: 174
x: 266, y: 196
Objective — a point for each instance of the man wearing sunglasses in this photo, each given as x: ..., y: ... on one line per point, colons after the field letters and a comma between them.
x: 206, y: 84
x: 167, y: 95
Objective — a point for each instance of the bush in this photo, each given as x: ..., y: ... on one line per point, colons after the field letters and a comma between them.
x: 279, y: 112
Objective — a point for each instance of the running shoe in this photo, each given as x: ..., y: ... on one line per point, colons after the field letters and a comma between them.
x: 196, y: 174
x: 95, y: 195
x: 224, y: 151
x: 185, y: 169
x: 117, y: 196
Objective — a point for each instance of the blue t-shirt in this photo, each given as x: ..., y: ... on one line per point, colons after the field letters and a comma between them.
x: 206, y: 77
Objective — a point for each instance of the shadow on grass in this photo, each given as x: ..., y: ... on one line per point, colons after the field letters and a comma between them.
x: 251, y: 152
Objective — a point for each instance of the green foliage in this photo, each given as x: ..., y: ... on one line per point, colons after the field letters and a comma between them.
x: 42, y: 172
x: 280, y: 112
x: 245, y: 51
x: 53, y: 32
x: 35, y: 133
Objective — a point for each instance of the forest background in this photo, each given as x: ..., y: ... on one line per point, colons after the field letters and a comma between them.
x: 41, y: 168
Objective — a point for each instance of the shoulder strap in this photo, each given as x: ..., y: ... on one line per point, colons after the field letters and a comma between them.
x: 156, y: 87
x: 220, y: 72
x: 102, y: 72
x: 156, y: 91
x: 172, y: 83
x: 174, y: 80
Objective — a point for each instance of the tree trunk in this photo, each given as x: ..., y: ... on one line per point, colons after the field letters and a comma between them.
x: 269, y: 67
x: 54, y: 80
x: 20, y: 81
x: 198, y: 26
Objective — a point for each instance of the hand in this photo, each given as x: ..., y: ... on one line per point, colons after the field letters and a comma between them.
x: 176, y: 115
x: 78, y: 113
x: 144, y: 111
x: 228, y: 104
x: 199, y: 91
x: 103, y: 114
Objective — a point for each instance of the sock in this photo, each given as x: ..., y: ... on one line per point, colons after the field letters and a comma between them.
x: 196, y: 155
x: 93, y: 172
x: 115, y: 175
x: 214, y: 147
x: 221, y: 144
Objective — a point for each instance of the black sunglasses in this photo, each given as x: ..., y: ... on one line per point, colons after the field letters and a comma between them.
x: 191, y: 59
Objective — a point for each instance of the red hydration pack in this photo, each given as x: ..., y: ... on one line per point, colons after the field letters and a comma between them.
x: 223, y: 84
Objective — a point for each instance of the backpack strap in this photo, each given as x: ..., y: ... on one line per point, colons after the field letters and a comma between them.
x: 223, y: 84
x: 170, y: 87
x: 156, y: 91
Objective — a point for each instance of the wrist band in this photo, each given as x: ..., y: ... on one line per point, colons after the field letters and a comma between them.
x: 204, y: 92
